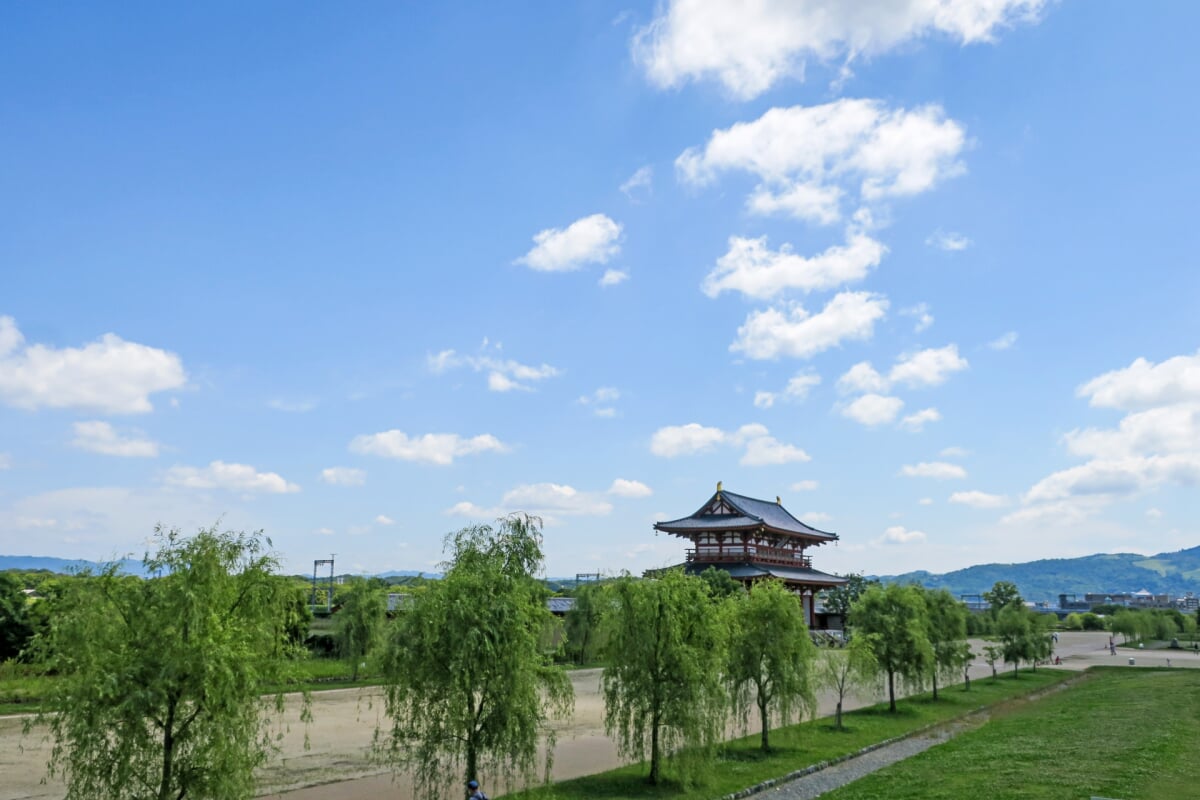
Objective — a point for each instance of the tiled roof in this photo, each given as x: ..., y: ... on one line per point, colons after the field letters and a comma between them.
x: 752, y: 513
x: 786, y: 574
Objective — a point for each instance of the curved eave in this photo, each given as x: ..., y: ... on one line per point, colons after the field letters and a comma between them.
x: 819, y: 537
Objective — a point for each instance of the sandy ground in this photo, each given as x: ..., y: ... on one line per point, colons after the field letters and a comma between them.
x: 336, y: 764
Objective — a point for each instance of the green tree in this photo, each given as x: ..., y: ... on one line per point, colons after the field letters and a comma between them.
x: 721, y: 583
x: 1002, y: 595
x: 1073, y: 622
x: 468, y: 685
x: 770, y: 656
x: 359, y: 623
x: 894, y: 617
x: 847, y: 670
x: 992, y: 654
x: 16, y: 624
x: 947, y: 619
x: 664, y: 653
x: 840, y: 599
x: 297, y: 613
x: 1015, y: 629
x: 582, y: 623
x: 158, y: 694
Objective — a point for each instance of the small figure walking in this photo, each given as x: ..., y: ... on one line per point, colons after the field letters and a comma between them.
x: 1112, y: 647
x: 474, y: 792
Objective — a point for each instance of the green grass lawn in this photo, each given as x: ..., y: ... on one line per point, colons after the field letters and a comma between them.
x: 741, y: 764
x: 1119, y: 733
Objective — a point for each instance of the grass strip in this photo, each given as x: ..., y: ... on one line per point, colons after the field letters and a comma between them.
x: 741, y: 763
x: 1121, y: 733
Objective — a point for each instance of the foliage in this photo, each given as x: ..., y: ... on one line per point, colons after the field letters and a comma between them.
x: 895, y: 618
x: 1073, y: 622
x: 1002, y: 595
x: 159, y: 679
x: 16, y: 625
x: 847, y: 670
x: 993, y: 654
x: 359, y: 623
x: 721, y: 584
x: 582, y: 624
x: 296, y: 616
x: 1024, y: 636
x: 664, y: 647
x: 947, y: 627
x: 771, y: 657
x: 840, y: 599
x: 468, y: 686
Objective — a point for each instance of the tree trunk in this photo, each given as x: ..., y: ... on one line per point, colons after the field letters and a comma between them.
x: 762, y: 714
x: 168, y: 758
x: 472, y: 757
x: 654, y: 757
x: 935, y: 684
x: 839, y: 714
x: 891, y: 690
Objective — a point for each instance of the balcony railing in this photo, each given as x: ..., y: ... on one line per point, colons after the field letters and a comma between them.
x: 759, y: 555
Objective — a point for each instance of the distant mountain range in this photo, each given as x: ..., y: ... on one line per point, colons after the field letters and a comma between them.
x: 1166, y: 573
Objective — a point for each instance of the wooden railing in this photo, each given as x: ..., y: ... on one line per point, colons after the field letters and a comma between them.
x: 759, y: 555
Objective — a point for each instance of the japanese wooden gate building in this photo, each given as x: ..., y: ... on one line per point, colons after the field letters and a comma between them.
x: 754, y: 540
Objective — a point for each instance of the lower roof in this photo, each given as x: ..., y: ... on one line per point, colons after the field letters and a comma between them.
x: 750, y: 571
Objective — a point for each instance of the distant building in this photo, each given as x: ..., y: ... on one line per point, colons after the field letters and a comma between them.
x: 755, y: 540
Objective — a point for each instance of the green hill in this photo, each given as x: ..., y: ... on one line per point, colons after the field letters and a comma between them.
x: 1170, y: 573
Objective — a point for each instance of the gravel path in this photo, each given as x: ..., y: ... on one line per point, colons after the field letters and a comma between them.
x: 833, y: 777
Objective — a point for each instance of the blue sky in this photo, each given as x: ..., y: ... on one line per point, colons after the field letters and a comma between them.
x: 359, y: 277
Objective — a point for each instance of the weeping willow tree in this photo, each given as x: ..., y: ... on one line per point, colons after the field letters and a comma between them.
x: 664, y: 653
x: 470, y: 683
x: 158, y: 694
x: 771, y: 657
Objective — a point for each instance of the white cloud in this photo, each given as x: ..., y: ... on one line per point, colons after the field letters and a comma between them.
x: 546, y: 500
x: 925, y: 501
x: 324, y: 531
x: 1144, y: 384
x: 759, y: 447
x: 640, y: 184
x: 627, y: 488
x: 793, y: 332
x: 612, y: 277
x: 804, y: 486
x: 383, y: 519
x: 809, y: 159
x: 1004, y: 342
x: 766, y: 450
x: 933, y: 469
x: 109, y: 375
x: 862, y: 377
x: 1154, y: 513
x: 591, y: 240
x: 954, y: 452
x: 916, y: 422
x: 1117, y: 477
x: 5, y: 461
x: 429, y: 448
x: 927, y: 367
x: 977, y: 499
x: 748, y: 47
x: 101, y: 437
x: 921, y: 312
x: 1163, y: 430
x: 796, y: 390
x: 950, y: 242
x: 753, y: 269
x: 898, y: 534
x: 504, y: 375
x: 601, y: 401
x: 231, y: 477
x: 873, y: 409
x: 344, y: 476
x: 815, y: 517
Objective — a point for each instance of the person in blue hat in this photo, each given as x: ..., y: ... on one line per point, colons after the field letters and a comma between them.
x: 474, y: 792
